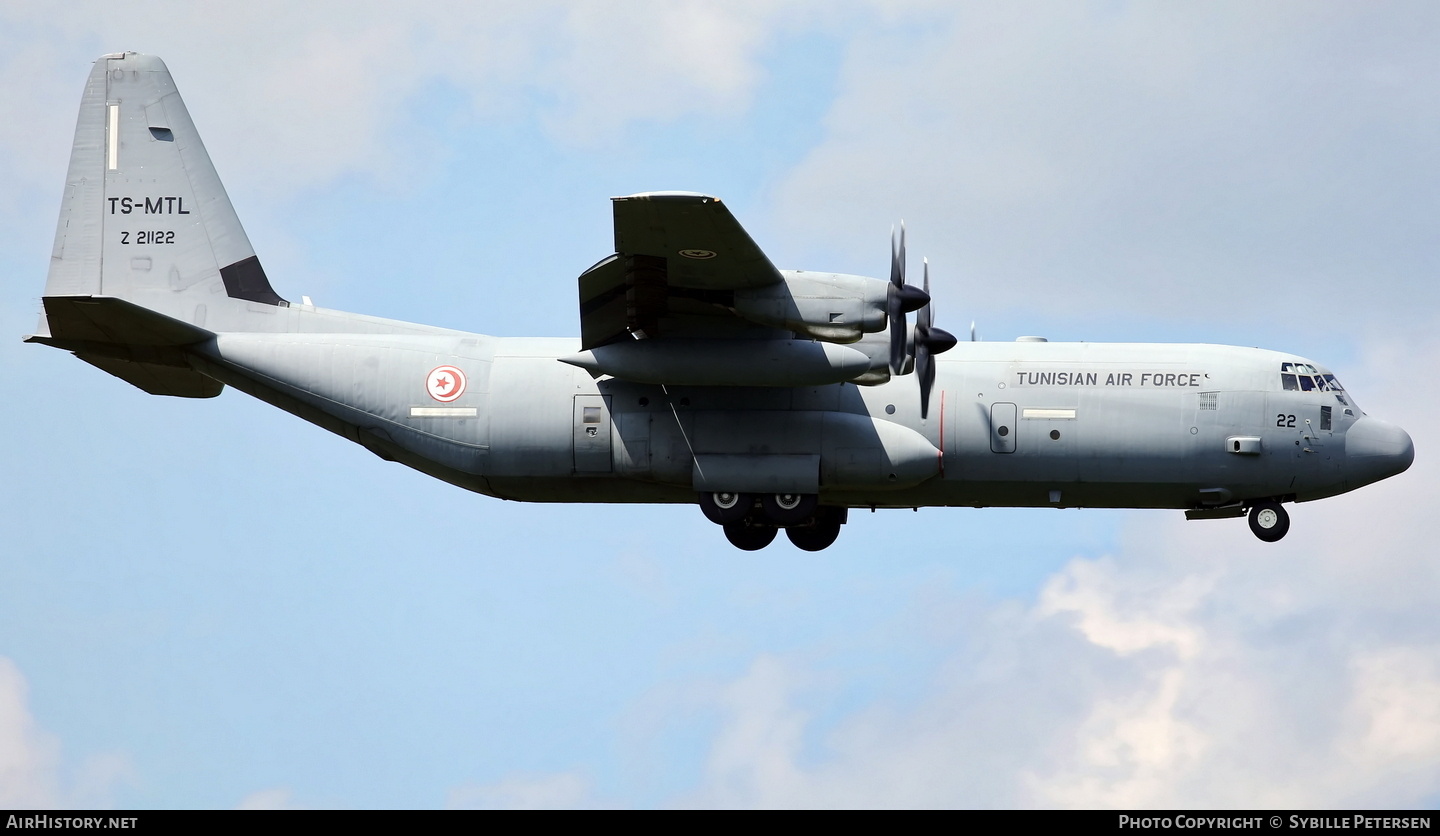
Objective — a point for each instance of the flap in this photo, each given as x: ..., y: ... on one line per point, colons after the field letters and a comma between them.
x: 679, y: 259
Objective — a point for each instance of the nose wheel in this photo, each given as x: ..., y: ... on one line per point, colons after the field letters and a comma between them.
x: 1269, y: 521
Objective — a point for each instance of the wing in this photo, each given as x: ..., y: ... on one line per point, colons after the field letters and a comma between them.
x: 679, y: 258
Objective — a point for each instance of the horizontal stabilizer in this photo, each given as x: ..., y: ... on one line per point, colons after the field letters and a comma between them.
x: 157, y: 379
x: 106, y: 319
x: 137, y: 345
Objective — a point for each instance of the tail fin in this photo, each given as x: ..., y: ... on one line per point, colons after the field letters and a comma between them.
x: 144, y: 216
x: 144, y: 219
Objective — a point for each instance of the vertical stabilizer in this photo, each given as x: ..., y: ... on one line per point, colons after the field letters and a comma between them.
x: 144, y: 217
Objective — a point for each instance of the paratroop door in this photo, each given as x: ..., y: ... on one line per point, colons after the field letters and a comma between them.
x: 1002, y: 427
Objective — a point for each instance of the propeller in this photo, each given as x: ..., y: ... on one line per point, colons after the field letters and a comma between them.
x: 900, y: 300
x: 929, y: 341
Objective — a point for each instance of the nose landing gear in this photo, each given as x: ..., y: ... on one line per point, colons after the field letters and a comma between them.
x: 1269, y: 520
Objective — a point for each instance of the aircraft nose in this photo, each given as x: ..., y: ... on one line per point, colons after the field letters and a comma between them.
x: 1376, y: 450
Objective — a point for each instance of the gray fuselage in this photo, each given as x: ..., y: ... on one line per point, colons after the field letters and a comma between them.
x: 1015, y: 424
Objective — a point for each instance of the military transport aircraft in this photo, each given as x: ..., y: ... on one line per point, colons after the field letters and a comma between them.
x: 703, y: 375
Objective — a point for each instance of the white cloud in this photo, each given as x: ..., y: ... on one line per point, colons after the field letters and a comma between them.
x: 656, y: 61
x: 32, y: 772
x: 1183, y: 160
x: 275, y: 798
x: 562, y: 791
x: 297, y: 96
x: 29, y: 758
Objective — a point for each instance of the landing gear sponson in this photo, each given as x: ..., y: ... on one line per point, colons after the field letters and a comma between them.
x: 751, y: 521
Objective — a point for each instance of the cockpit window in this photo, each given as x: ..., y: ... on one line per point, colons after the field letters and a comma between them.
x: 1304, y: 377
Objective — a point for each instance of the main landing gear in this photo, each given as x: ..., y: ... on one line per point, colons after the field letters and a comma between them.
x: 1268, y: 520
x: 751, y: 522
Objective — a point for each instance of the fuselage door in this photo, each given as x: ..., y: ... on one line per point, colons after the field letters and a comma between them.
x: 592, y: 434
x: 1003, y: 426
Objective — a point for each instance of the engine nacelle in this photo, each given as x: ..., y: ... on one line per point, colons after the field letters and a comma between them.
x: 833, y: 307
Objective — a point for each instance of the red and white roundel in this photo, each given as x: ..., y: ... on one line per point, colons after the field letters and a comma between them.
x: 445, y: 383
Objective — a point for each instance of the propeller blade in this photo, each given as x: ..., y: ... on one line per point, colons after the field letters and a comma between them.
x: 924, y: 363
x: 897, y: 257
x: 896, y: 312
x: 929, y: 341
x: 923, y: 319
x: 899, y: 302
x: 903, y: 299
x: 901, y: 258
x: 925, y: 370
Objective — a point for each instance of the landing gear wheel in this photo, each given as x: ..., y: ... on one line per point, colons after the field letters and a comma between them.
x: 1269, y: 520
x: 725, y: 507
x: 820, y: 533
x: 789, y: 508
x: 751, y: 538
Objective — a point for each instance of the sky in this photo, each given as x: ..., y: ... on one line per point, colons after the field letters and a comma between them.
x: 210, y: 604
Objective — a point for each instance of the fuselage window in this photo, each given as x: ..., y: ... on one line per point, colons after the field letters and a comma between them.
x: 1289, y: 381
x: 1324, y: 417
x: 1307, y: 383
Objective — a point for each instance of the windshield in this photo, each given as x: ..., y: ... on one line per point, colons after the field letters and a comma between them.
x: 1304, y: 377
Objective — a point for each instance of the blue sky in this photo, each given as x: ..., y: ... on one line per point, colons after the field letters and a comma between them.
x: 211, y: 604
